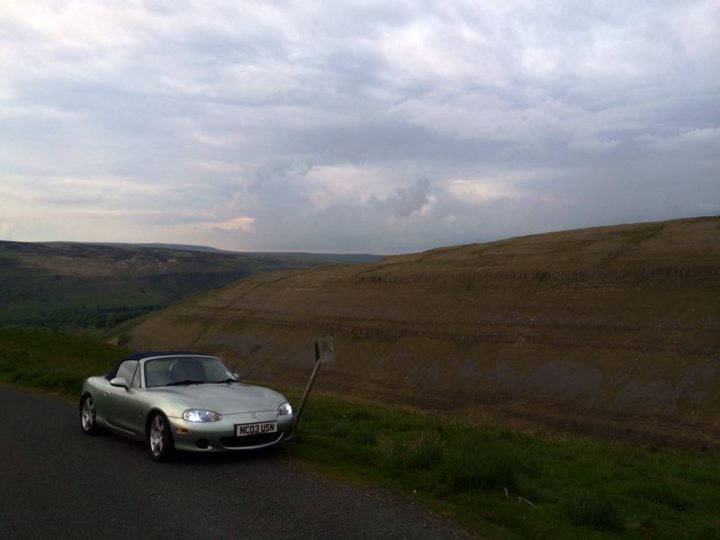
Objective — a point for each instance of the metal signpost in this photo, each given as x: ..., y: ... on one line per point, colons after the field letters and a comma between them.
x: 324, y: 354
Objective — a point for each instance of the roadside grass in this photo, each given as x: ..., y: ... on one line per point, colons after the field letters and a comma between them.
x: 498, y: 482
x: 502, y: 483
x: 51, y: 361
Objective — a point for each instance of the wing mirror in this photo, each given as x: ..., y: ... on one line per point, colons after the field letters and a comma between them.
x: 237, y: 376
x: 120, y: 382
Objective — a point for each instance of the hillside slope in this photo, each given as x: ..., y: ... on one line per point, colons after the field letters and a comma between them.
x: 613, y: 330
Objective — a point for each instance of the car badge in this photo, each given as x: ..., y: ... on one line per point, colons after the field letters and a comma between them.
x: 254, y: 414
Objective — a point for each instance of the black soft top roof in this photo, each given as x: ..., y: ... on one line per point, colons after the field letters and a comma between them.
x: 149, y: 354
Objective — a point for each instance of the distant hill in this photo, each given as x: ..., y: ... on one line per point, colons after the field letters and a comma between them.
x: 611, y: 330
x: 340, y: 258
x: 180, y: 247
x: 76, y: 285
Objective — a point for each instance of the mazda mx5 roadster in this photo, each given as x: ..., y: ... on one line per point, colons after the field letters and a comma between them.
x: 183, y: 401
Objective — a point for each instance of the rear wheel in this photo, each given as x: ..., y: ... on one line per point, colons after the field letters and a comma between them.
x: 160, y: 438
x: 87, y: 415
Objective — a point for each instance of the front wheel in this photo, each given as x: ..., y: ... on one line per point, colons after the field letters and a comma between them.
x: 87, y: 415
x: 159, y: 438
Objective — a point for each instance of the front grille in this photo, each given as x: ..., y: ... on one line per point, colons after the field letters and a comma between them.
x: 250, y: 440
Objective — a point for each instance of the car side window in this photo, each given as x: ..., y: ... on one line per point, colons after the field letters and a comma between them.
x: 127, y: 370
x: 136, y: 379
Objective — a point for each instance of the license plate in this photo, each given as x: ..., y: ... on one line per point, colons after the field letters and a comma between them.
x: 243, y: 430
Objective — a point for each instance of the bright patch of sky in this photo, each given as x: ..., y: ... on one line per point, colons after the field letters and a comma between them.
x: 353, y: 126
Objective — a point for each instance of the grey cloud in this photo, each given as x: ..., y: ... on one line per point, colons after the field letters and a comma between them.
x: 406, y: 201
x: 229, y: 110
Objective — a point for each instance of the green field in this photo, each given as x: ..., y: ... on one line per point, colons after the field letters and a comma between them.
x: 499, y: 483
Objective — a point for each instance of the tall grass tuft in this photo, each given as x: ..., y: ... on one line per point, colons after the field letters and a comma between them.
x: 589, y: 509
x: 423, y: 452
x: 664, y: 493
x: 483, y: 469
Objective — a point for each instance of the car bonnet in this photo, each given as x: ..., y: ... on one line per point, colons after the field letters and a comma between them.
x: 227, y: 398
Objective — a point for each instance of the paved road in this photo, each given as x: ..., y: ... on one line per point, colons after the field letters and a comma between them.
x: 56, y: 482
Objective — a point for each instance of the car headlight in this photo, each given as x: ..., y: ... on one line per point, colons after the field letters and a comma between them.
x: 201, y: 415
x: 285, y: 409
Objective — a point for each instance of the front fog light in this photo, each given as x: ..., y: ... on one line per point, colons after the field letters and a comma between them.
x: 201, y: 415
x: 284, y: 409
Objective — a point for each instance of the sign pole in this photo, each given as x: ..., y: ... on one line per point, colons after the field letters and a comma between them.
x: 324, y: 353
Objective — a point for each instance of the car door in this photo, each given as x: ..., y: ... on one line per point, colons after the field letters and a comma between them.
x: 126, y: 405
x: 138, y: 403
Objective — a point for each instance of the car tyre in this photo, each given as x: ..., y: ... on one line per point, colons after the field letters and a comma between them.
x: 88, y: 422
x: 160, y: 438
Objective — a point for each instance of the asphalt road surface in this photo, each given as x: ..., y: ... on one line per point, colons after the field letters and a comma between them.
x: 57, y: 483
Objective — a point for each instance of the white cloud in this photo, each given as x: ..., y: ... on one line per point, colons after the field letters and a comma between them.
x: 242, y: 223
x: 480, y: 190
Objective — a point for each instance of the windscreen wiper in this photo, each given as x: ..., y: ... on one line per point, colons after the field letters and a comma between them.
x: 185, y: 382
x: 228, y: 380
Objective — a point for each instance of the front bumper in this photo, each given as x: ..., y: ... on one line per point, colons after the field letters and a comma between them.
x: 220, y: 436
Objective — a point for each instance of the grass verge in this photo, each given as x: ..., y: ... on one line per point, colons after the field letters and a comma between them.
x: 52, y: 361
x: 503, y: 483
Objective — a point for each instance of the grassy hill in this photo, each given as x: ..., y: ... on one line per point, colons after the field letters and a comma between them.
x: 75, y: 285
x: 612, y: 330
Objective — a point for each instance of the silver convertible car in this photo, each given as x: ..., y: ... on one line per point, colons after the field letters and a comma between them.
x: 183, y: 401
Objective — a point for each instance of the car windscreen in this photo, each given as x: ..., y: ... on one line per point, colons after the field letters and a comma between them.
x: 177, y: 370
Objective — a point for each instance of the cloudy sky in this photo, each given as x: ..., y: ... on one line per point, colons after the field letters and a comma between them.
x: 353, y: 126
